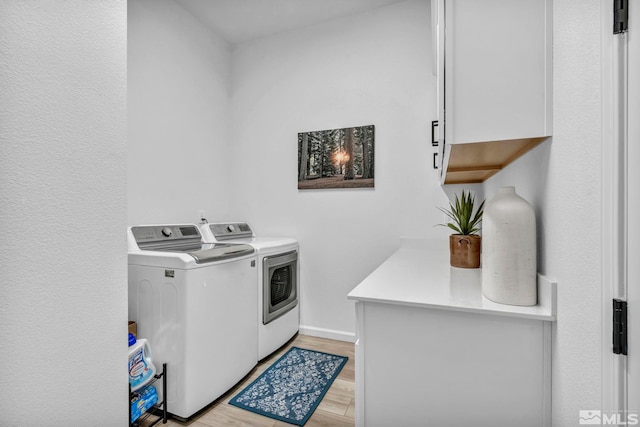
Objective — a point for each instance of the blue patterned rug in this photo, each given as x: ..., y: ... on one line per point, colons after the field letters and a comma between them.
x: 292, y: 387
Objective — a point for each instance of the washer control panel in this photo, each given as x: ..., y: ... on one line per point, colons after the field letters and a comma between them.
x: 165, y: 233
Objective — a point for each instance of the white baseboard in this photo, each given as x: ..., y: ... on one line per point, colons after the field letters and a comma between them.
x: 327, y: 333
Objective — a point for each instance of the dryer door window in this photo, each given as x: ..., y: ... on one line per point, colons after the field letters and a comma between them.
x: 280, y: 287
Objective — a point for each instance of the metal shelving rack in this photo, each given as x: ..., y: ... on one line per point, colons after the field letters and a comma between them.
x: 159, y: 409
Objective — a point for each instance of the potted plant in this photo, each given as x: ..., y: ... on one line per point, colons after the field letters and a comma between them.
x: 465, y: 244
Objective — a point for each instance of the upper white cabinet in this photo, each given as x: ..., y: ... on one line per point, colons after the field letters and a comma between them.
x: 494, y: 64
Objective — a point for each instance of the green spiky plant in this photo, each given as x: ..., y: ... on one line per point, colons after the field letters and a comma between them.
x: 464, y: 221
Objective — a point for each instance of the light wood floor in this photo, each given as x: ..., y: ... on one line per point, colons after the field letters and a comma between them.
x: 337, y: 409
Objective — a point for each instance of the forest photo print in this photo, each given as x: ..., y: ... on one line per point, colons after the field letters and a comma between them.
x: 336, y: 158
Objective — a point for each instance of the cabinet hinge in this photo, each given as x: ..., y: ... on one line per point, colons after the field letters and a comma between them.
x: 619, y: 327
x: 434, y: 140
x: 620, y: 16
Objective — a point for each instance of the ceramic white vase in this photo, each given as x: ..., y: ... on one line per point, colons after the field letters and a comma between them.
x: 509, y: 265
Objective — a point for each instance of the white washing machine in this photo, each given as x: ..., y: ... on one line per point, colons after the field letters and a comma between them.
x: 278, y: 313
x: 195, y: 303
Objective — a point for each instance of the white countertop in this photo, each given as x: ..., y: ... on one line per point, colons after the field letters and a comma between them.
x: 419, y: 275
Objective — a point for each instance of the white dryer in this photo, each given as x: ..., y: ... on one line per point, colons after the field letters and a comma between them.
x: 195, y: 303
x: 278, y: 314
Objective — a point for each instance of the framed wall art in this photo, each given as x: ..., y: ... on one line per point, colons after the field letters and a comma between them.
x: 336, y: 158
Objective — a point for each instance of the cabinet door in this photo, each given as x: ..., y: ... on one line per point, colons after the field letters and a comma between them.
x: 431, y: 367
x: 498, y: 70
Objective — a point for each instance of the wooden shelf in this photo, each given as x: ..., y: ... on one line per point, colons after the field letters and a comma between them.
x: 476, y: 162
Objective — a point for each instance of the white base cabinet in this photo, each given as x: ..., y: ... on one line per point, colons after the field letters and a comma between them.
x: 419, y: 366
x: 431, y: 350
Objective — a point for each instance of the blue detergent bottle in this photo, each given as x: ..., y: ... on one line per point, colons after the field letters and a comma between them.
x: 141, y: 369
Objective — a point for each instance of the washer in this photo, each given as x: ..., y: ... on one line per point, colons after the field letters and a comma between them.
x: 195, y: 303
x: 278, y: 281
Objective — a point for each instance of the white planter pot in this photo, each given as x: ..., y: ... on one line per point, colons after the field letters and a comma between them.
x: 509, y: 262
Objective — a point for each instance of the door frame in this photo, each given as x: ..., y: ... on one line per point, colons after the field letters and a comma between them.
x: 633, y: 212
x: 614, y: 204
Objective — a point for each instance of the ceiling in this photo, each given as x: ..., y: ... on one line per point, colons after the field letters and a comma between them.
x: 238, y: 21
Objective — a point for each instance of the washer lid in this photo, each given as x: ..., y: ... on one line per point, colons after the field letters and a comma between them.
x: 211, y: 252
x: 186, y: 239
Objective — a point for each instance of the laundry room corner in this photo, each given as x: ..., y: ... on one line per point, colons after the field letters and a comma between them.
x: 178, y: 76
x: 372, y: 68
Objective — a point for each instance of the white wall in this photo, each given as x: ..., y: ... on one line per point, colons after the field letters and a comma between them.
x: 178, y: 106
x: 63, y: 279
x: 561, y: 178
x: 372, y: 68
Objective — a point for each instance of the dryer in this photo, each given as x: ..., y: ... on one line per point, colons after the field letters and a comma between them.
x: 278, y: 288
x: 195, y: 303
